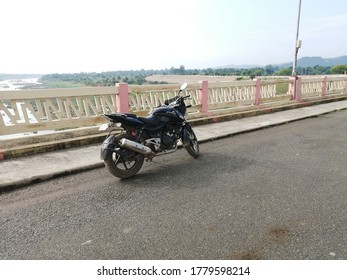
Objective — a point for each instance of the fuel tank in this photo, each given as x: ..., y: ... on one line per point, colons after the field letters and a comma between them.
x: 168, y: 112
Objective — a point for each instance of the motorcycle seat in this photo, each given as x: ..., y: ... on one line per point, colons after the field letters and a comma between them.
x: 124, y: 115
x: 131, y: 115
x: 152, y: 120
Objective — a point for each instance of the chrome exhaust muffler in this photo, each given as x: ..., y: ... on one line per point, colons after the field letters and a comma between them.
x: 136, y: 147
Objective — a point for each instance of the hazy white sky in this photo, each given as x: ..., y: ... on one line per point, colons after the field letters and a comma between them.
x: 56, y: 36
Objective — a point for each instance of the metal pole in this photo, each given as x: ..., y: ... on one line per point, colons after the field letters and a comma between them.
x: 297, y: 43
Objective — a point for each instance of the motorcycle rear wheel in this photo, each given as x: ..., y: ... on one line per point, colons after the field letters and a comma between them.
x: 193, y: 146
x: 120, y: 167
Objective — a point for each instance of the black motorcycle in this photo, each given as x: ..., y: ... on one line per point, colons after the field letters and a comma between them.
x: 147, y: 137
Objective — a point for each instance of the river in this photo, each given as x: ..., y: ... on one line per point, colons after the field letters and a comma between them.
x: 18, y: 84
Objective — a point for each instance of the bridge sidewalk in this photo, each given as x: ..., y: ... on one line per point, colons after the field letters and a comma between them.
x: 40, y: 167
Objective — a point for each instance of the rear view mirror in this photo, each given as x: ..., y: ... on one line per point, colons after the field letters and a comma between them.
x: 183, y: 86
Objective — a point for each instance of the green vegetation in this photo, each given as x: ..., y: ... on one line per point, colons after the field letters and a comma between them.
x: 268, y: 70
x: 138, y: 77
x: 339, y: 69
x: 97, y: 79
x: 282, y: 88
x: 59, y: 84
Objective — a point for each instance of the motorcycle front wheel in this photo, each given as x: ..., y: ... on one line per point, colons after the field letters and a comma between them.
x: 193, y: 146
x: 122, y: 167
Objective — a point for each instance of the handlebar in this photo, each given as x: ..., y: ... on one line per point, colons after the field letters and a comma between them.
x: 176, y: 100
x: 183, y: 97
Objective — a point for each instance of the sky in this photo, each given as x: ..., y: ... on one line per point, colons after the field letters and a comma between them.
x: 70, y: 36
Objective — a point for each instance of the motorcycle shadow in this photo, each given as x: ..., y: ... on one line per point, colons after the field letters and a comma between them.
x: 183, y: 170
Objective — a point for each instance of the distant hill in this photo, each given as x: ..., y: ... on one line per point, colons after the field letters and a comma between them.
x: 311, y: 61
x: 307, y: 61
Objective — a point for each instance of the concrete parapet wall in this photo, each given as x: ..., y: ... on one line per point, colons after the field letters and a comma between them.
x: 34, y: 144
x: 38, y: 110
x: 73, y: 114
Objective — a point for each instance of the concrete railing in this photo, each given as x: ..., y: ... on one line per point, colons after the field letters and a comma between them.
x: 54, y: 109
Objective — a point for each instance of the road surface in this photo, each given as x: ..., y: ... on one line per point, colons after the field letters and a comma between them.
x: 277, y: 193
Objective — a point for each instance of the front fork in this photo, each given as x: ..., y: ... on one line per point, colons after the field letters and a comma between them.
x: 185, y: 135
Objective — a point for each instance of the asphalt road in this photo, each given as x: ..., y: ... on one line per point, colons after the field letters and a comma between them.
x: 277, y: 193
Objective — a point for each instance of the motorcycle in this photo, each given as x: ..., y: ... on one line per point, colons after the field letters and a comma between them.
x: 147, y: 137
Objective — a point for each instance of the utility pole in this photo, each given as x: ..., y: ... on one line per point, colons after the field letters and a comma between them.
x: 297, y: 43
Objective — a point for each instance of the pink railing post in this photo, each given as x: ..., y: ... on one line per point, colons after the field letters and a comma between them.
x: 291, y: 88
x: 296, y: 89
x: 122, y: 98
x: 257, y: 92
x: 203, y: 95
x: 324, y: 86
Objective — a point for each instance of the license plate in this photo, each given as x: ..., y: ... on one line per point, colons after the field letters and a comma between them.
x: 103, y: 127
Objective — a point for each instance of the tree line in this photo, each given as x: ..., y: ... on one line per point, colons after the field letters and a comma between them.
x: 110, y: 78
x: 138, y: 77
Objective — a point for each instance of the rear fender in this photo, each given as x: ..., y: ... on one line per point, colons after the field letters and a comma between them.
x: 108, y: 146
